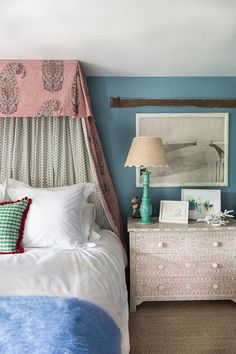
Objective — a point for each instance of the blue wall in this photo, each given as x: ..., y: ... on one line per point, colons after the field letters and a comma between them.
x: 117, y: 126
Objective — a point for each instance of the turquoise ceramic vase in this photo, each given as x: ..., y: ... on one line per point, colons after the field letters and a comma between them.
x: 146, y: 206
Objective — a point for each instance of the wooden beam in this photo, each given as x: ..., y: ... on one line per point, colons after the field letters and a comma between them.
x: 118, y: 102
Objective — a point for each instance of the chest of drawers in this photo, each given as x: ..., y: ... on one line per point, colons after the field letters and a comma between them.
x: 181, y: 262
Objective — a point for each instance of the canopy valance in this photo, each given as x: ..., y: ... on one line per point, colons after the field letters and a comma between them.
x: 42, y: 142
x: 32, y: 88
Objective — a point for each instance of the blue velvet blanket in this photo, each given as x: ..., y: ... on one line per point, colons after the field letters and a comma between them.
x: 52, y: 325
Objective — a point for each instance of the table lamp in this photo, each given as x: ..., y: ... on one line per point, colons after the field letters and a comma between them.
x: 146, y: 151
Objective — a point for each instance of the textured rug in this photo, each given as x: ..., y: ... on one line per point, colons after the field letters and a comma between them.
x: 201, y: 327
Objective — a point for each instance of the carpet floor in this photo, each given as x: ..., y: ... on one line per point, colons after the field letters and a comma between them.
x: 194, y: 327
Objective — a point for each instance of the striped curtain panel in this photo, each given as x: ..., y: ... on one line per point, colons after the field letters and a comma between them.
x: 49, y: 152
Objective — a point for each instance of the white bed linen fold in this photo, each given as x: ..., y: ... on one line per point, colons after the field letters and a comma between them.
x: 94, y: 272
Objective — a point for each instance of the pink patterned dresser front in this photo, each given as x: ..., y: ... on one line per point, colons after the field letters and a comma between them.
x: 181, y: 262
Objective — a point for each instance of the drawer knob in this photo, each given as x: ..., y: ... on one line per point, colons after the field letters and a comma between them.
x: 216, y: 244
x: 160, y: 266
x: 160, y: 244
x: 215, y: 265
x: 215, y: 286
x: 161, y: 287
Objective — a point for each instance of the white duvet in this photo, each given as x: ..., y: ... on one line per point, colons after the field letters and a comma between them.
x: 94, y: 272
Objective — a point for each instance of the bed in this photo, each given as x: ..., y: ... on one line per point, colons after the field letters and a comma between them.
x: 55, y: 298
x: 93, y: 273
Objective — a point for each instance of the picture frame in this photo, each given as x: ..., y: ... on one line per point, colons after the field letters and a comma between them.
x: 196, y: 146
x: 201, y: 201
x: 174, y: 212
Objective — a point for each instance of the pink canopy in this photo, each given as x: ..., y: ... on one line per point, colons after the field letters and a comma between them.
x: 57, y: 88
x: 48, y: 87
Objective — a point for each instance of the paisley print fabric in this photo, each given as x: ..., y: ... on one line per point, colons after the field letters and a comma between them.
x: 9, y: 90
x: 74, y: 93
x: 104, y: 181
x: 26, y: 86
x: 53, y: 74
x: 49, y: 107
x: 53, y: 94
x: 99, y: 153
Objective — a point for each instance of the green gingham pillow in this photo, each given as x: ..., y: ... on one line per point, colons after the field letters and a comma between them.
x: 12, y: 223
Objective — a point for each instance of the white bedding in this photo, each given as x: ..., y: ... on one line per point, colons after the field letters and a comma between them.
x: 94, y: 272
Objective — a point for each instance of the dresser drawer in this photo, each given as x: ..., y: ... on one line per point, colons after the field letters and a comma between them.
x: 159, y: 265
x: 159, y: 243
x: 162, y: 243
x: 214, y: 240
x: 154, y: 287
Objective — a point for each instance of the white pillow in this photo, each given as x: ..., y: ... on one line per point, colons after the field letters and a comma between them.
x: 55, y: 216
x: 89, y: 215
x: 2, y: 191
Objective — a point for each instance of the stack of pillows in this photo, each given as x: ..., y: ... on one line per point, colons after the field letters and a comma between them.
x: 44, y: 217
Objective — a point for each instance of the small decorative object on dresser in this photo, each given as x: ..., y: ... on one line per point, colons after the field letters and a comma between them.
x: 217, y: 219
x: 181, y: 262
x: 201, y: 201
x: 173, y: 212
x: 136, y: 207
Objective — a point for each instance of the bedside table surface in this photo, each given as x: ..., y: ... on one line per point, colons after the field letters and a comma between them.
x: 134, y: 225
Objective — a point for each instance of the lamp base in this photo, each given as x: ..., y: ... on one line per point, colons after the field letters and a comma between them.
x: 144, y: 222
x: 146, y: 205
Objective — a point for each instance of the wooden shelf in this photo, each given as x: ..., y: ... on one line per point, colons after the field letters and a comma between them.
x: 118, y: 102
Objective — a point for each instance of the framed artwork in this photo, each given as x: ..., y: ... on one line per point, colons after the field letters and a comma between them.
x: 173, y: 212
x: 196, y: 146
x: 201, y: 201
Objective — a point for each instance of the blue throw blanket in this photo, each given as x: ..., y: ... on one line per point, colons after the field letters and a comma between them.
x: 50, y: 325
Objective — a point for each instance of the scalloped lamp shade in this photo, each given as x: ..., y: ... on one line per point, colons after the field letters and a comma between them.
x: 147, y: 152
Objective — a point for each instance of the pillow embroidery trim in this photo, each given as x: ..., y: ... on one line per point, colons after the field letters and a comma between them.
x: 12, y: 224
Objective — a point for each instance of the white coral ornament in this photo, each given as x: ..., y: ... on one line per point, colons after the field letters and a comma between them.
x: 217, y: 219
